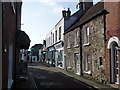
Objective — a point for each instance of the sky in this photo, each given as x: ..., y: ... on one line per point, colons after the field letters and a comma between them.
x: 39, y: 17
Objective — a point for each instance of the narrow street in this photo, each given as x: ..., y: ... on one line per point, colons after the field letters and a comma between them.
x: 46, y: 77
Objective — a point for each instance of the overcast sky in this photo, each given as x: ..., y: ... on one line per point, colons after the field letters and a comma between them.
x: 40, y: 16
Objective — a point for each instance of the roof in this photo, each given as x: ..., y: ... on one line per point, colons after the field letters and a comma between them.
x: 96, y: 10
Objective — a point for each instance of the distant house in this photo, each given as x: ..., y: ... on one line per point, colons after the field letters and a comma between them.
x: 99, y: 44
x: 10, y: 22
x: 35, y: 51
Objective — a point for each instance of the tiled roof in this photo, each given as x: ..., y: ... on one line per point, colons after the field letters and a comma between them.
x: 95, y: 10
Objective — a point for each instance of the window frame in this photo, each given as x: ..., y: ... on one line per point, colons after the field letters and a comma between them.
x: 76, y: 36
x: 68, y: 42
x: 56, y: 36
x: 88, y: 61
x: 86, y: 36
x: 59, y: 33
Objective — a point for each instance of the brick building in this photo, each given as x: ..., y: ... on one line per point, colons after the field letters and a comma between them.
x: 10, y: 22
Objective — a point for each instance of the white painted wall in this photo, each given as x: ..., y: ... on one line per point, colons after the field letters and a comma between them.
x: 0, y: 45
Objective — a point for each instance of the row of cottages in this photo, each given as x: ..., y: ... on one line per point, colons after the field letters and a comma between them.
x: 92, y: 44
x: 55, y: 38
x: 10, y: 22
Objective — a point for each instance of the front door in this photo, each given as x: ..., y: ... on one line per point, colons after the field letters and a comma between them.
x: 10, y: 66
x: 114, y: 63
x: 117, y: 65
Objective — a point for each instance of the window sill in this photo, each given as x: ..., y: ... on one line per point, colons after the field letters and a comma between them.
x: 87, y: 44
x: 78, y: 73
x: 87, y: 72
x: 68, y: 67
x: 76, y: 46
x: 69, y: 47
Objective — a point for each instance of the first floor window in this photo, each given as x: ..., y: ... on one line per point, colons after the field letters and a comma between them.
x: 86, y: 35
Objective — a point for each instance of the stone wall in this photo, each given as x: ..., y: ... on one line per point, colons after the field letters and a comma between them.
x: 96, y: 49
x: 71, y: 51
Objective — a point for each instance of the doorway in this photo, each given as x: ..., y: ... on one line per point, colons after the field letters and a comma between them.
x: 77, y: 60
x: 114, y: 61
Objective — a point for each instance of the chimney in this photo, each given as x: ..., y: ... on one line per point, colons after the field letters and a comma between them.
x: 64, y: 13
x: 85, y: 4
x: 68, y: 13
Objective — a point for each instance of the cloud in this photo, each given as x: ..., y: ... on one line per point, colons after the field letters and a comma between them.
x: 56, y: 8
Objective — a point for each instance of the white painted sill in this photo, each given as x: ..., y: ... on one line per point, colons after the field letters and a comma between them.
x: 87, y: 72
x: 68, y: 67
x: 69, y: 47
x: 87, y: 44
x: 78, y: 73
x: 76, y: 46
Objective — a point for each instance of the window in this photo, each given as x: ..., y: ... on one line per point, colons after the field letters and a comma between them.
x: 59, y: 33
x: 77, y: 60
x: 76, y: 36
x: 53, y: 38
x: 88, y: 64
x: 49, y: 40
x: 56, y: 35
x: 86, y: 36
x: 68, y: 44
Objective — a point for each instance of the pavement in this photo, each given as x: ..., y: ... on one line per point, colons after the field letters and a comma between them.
x: 91, y: 82
x: 30, y: 82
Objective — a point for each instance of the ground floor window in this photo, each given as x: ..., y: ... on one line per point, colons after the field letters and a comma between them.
x: 87, y: 68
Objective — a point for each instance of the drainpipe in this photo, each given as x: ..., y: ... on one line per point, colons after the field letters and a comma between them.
x: 81, y: 72
x: 1, y: 46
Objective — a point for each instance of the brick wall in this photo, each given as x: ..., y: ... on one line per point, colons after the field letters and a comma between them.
x: 9, y: 38
x: 112, y: 28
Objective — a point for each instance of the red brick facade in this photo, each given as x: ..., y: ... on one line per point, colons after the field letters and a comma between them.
x: 112, y: 28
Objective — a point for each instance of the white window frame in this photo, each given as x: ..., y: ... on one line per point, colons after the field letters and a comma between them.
x: 77, y: 60
x: 53, y: 37
x: 76, y: 36
x: 56, y: 36
x: 68, y: 43
x: 87, y: 63
x: 59, y: 33
x: 86, y: 36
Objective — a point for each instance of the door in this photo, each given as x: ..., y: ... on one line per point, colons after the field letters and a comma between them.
x: 10, y: 66
x: 77, y: 64
x: 114, y: 63
x: 117, y: 65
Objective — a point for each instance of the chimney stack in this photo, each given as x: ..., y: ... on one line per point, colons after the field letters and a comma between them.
x: 66, y: 14
x: 84, y: 4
